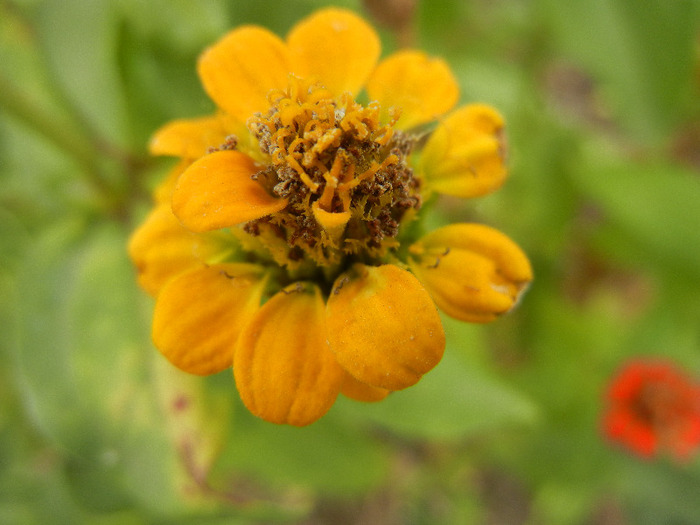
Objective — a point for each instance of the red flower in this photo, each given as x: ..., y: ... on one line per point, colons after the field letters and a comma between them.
x: 653, y: 406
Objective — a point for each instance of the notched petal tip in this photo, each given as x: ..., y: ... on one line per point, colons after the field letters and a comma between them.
x: 199, y: 315
x: 383, y: 327
x: 283, y: 366
x: 473, y: 272
x: 217, y: 191
x: 466, y: 154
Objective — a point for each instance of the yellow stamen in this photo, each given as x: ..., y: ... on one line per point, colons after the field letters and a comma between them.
x: 371, y: 172
x: 332, y: 177
x: 302, y: 174
x: 332, y: 145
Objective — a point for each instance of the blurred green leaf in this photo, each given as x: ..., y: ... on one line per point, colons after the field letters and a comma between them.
x: 559, y: 504
x: 654, y: 204
x: 660, y: 493
x: 85, y: 370
x: 642, y: 51
x: 159, y: 43
x: 441, y: 18
x: 159, y: 85
x: 13, y: 239
x: 22, y: 62
x: 485, y: 81
x: 79, y: 41
x: 458, y: 398
x: 38, y: 182
x: 136, y: 432
x: 328, y: 456
x: 283, y: 15
x: 182, y: 26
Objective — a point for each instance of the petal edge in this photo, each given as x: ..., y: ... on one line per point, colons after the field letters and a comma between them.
x: 336, y: 47
x: 427, y: 88
x: 217, y: 191
x: 239, y: 70
x: 199, y: 315
x: 383, y: 327
x: 465, y: 155
x: 284, y: 369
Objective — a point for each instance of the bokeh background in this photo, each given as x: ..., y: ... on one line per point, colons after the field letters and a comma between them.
x: 601, y: 99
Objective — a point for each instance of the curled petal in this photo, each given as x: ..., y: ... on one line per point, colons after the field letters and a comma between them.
x: 217, y: 191
x: 473, y: 272
x: 240, y: 70
x: 284, y: 369
x: 465, y: 155
x: 332, y: 223
x: 161, y: 249
x: 359, y: 391
x: 189, y: 138
x: 199, y: 315
x: 383, y: 326
x: 422, y: 87
x: 335, y: 47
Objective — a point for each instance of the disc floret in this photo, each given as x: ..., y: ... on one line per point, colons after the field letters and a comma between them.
x: 343, y: 171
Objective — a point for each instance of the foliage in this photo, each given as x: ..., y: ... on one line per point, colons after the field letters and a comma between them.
x: 601, y: 102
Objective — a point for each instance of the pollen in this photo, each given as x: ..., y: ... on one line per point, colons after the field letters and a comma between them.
x: 343, y: 171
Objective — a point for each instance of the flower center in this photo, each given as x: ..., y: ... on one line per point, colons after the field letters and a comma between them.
x: 343, y: 171
x: 660, y: 405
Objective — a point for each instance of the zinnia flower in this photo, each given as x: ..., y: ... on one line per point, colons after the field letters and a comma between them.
x: 653, y: 406
x: 285, y: 243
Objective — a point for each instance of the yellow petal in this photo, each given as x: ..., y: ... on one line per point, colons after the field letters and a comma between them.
x: 161, y: 249
x: 163, y: 193
x: 189, y: 138
x: 358, y: 391
x: 284, y: 369
x: 422, y: 87
x: 335, y: 47
x: 383, y: 327
x: 465, y: 155
x: 217, y: 191
x: 473, y: 272
x: 199, y: 315
x: 240, y: 70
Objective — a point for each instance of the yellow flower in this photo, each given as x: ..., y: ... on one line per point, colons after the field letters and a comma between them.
x: 284, y: 245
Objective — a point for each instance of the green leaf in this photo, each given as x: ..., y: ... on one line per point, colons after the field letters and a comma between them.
x: 642, y: 51
x: 80, y: 40
x: 84, y: 368
x: 179, y: 26
x: 327, y: 456
x: 22, y: 63
x: 661, y: 493
x: 654, y: 205
x: 458, y: 398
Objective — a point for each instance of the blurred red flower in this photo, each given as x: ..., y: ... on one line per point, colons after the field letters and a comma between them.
x: 652, y: 407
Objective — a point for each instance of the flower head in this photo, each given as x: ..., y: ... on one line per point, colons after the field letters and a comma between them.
x: 653, y: 406
x: 285, y: 242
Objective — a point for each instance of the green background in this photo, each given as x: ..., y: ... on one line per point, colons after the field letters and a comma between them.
x: 603, y: 114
